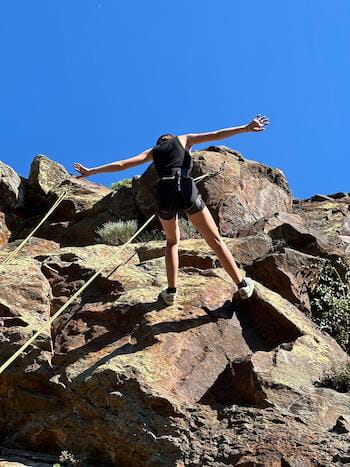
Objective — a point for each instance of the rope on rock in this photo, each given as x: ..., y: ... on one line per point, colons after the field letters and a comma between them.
x: 79, y: 291
x: 26, y: 240
x: 69, y: 301
x: 212, y: 174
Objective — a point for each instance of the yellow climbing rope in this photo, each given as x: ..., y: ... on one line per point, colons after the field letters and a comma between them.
x: 26, y: 240
x: 79, y: 291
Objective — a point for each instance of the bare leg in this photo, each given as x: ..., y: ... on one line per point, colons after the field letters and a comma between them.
x: 205, y: 224
x: 172, y: 233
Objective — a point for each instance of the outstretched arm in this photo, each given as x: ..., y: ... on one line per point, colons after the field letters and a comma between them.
x: 258, y: 124
x: 117, y: 166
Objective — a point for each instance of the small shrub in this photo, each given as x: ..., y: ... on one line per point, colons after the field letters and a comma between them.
x: 148, y: 235
x: 187, y: 230
x: 330, y: 301
x: 69, y: 459
x: 116, y: 233
x: 339, y: 380
x: 120, y: 183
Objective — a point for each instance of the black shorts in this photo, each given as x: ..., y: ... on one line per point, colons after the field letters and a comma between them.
x: 170, y: 199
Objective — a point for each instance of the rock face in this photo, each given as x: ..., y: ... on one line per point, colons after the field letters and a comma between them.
x: 5, y: 233
x: 115, y: 206
x: 329, y: 215
x: 25, y: 304
x: 240, y: 195
x: 12, y: 197
x: 47, y: 181
x: 120, y: 379
x: 11, y: 193
x: 45, y: 174
x: 244, y: 192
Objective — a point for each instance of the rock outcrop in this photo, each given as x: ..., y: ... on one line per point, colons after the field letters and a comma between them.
x: 244, y: 192
x: 120, y: 379
x: 11, y: 193
x: 5, y: 232
x: 329, y: 215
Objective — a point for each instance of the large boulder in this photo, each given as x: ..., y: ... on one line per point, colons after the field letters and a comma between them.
x: 242, y: 193
x: 289, y: 230
x: 329, y: 215
x: 11, y: 190
x: 300, y: 355
x: 267, y: 223
x: 34, y: 247
x: 118, y: 205
x: 134, y: 382
x: 88, y: 206
x: 49, y: 180
x: 25, y: 304
x: 196, y: 252
x: 46, y: 174
x: 121, y: 379
x: 288, y: 273
x: 81, y: 196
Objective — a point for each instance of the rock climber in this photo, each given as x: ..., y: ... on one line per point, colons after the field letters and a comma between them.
x: 176, y: 191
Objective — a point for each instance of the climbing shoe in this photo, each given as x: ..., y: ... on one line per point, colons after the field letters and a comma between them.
x: 168, y: 297
x: 248, y: 288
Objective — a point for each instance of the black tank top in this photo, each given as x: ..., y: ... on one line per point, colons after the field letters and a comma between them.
x: 171, y: 154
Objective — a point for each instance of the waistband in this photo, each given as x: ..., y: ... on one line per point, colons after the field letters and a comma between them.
x: 175, y: 172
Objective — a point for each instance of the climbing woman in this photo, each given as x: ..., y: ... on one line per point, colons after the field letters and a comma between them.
x: 176, y: 191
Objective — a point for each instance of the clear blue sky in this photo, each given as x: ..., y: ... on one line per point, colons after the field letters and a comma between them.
x: 93, y: 81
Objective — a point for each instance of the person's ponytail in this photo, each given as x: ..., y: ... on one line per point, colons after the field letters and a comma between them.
x: 164, y: 137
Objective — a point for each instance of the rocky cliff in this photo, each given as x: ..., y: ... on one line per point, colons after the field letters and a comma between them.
x: 122, y: 380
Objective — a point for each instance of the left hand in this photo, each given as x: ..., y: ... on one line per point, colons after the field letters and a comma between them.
x: 84, y: 171
x: 258, y: 124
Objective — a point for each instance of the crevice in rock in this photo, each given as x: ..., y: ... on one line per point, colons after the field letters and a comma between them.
x: 237, y: 384
x: 65, y: 281
x: 273, y: 327
x: 255, y: 336
x: 5, y: 312
x: 264, y: 329
x: 13, y: 322
x: 86, y: 331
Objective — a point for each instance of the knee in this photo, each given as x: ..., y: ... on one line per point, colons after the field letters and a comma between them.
x: 216, y: 241
x: 170, y: 242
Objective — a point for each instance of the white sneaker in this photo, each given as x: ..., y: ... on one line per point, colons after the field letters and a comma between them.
x: 169, y: 298
x: 246, y: 292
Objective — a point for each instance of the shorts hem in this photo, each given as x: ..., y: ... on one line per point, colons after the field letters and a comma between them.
x: 166, y: 218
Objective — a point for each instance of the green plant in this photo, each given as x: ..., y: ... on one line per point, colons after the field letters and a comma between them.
x: 68, y: 459
x: 116, y: 233
x: 329, y: 292
x: 337, y: 379
x: 120, y: 183
x: 149, y: 235
x: 73, y: 459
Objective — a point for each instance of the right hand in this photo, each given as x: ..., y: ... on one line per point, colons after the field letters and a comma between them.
x: 258, y: 124
x: 84, y: 171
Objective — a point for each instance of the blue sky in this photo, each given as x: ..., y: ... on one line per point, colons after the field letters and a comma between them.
x: 93, y: 81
